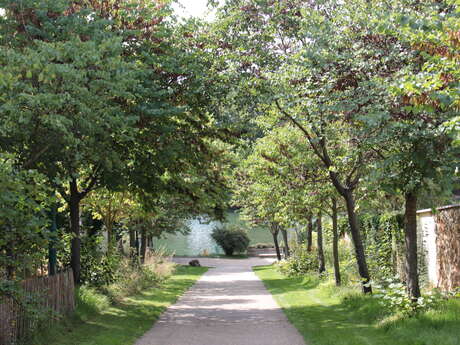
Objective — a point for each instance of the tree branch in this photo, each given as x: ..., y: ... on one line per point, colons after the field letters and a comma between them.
x: 303, y: 129
x: 90, y: 182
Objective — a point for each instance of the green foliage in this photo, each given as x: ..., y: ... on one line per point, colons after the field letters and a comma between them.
x: 132, y: 278
x: 299, y: 263
x: 384, y: 237
x: 118, y: 324
x: 97, y: 267
x: 393, y: 296
x: 24, y: 200
x: 354, y: 318
x: 90, y: 301
x: 232, y: 239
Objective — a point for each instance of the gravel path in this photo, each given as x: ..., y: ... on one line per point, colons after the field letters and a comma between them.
x: 229, y: 305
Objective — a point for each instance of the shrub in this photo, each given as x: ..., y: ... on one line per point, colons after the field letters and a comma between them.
x: 300, y: 262
x: 231, y: 239
x: 90, y: 301
x: 97, y: 268
x: 132, y: 278
x: 393, y: 296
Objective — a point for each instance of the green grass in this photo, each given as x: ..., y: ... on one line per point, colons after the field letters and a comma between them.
x: 96, y: 322
x: 326, y: 315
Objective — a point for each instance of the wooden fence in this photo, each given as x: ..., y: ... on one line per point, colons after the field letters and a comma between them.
x: 52, y: 296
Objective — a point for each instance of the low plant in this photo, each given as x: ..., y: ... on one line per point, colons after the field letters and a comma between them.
x: 133, y: 277
x: 300, y: 262
x: 30, y: 307
x: 97, y: 268
x: 393, y: 296
x: 89, y: 301
x: 231, y: 239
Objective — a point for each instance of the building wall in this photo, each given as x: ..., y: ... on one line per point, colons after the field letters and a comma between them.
x: 427, y: 231
x: 440, y: 242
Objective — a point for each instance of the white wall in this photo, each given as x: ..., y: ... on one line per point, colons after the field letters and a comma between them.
x: 427, y: 228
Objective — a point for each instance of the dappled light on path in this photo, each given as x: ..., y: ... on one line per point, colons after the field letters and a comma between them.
x: 228, y: 305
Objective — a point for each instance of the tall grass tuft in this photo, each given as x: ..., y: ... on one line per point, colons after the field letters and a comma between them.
x: 133, y: 277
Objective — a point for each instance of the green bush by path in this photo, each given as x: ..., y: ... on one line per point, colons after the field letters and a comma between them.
x: 327, y: 315
x: 232, y: 239
x: 96, y: 322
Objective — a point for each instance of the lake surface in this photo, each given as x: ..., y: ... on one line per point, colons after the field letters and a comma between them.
x: 199, y: 241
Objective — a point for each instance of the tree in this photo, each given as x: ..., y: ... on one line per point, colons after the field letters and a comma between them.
x: 280, y: 180
x: 110, y: 207
x: 431, y: 29
x: 420, y: 148
x: 327, y: 69
x: 105, y: 98
x: 23, y: 221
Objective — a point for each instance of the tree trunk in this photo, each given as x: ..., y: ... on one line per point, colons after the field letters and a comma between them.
x: 287, y: 252
x: 74, y: 207
x: 10, y: 268
x: 143, y: 244
x: 310, y: 233
x: 132, y: 239
x: 110, y: 239
x: 394, y: 253
x: 319, y: 229
x: 335, y: 244
x: 410, y: 236
x: 52, y: 257
x: 136, y: 243
x: 275, y: 241
x: 357, y: 241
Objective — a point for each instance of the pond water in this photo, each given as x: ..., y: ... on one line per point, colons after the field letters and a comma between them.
x: 199, y: 240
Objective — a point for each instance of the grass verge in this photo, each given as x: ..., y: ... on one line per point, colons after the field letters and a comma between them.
x: 97, y: 322
x: 326, y: 315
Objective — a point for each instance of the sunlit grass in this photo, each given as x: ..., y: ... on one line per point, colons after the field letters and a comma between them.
x: 326, y: 315
x: 97, y: 323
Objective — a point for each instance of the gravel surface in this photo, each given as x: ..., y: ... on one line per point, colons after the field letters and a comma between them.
x: 228, y: 305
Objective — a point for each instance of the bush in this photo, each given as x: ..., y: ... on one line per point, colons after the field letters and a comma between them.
x: 300, y: 262
x: 231, y: 239
x: 132, y: 278
x: 393, y: 296
x: 97, y: 268
x: 90, y: 301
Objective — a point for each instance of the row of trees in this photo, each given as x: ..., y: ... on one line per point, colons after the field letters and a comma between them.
x: 117, y: 109
x: 102, y: 107
x: 355, y: 101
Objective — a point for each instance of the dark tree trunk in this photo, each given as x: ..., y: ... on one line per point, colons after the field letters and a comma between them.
x: 320, y: 149
x: 132, y: 239
x: 136, y: 243
x: 74, y: 207
x: 319, y: 229
x: 410, y: 236
x: 287, y: 252
x: 143, y: 244
x: 310, y: 233
x: 277, y: 245
x: 52, y: 252
x: 110, y: 239
x: 357, y: 241
x: 10, y: 269
x: 335, y: 244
